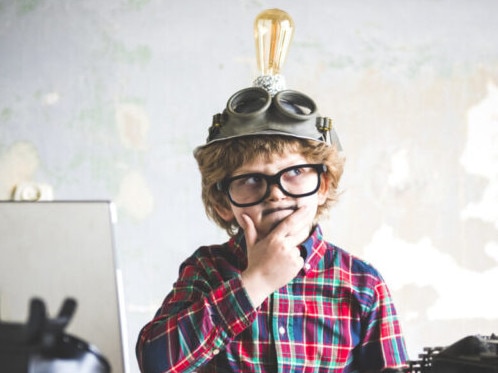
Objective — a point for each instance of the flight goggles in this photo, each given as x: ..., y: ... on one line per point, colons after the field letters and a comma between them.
x: 254, y: 111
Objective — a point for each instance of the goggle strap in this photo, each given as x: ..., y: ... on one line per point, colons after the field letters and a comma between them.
x: 215, y: 127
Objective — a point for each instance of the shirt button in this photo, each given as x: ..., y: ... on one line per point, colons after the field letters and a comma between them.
x: 216, y: 351
x: 281, y: 330
x: 307, y: 266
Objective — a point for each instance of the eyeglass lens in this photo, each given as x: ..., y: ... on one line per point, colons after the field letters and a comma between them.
x: 296, y: 181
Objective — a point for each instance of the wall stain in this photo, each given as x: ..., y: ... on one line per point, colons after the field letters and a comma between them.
x: 17, y: 164
x: 27, y: 6
x: 6, y: 114
x: 119, y: 52
x: 133, y: 125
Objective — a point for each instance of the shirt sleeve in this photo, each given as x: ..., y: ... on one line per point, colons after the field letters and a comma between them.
x: 383, y: 345
x: 195, y: 321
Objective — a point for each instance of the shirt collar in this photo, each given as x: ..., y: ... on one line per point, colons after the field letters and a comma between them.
x: 314, y: 248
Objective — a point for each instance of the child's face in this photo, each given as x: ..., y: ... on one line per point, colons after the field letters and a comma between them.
x: 267, y: 214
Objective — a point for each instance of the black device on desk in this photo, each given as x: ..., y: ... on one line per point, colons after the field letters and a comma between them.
x: 41, y: 345
x: 472, y: 354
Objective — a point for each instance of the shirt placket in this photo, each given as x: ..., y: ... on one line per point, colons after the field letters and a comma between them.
x: 282, y: 329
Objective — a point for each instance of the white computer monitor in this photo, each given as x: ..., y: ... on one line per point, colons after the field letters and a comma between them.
x: 54, y: 250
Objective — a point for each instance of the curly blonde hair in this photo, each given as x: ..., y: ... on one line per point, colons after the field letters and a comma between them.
x: 220, y: 159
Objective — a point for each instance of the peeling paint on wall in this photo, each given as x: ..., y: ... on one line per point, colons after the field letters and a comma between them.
x: 481, y: 155
x: 135, y: 196
x: 399, y: 176
x: 491, y: 249
x: 17, y: 165
x: 51, y: 98
x: 133, y: 126
x: 424, y: 265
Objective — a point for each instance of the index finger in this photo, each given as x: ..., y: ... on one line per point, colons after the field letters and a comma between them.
x: 249, y: 230
x: 295, y: 224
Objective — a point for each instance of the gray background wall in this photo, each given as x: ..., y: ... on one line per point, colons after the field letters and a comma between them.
x: 107, y: 100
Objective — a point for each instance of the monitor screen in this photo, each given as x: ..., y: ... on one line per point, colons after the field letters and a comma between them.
x: 55, y: 250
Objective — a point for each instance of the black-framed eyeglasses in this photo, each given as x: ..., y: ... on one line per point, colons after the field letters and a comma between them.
x: 253, y: 188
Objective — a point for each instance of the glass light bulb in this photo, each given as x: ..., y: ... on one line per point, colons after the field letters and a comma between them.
x: 273, y: 31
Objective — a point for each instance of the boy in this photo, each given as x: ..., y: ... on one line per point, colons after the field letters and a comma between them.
x: 276, y: 296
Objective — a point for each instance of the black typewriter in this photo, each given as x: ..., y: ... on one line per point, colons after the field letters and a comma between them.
x: 472, y: 354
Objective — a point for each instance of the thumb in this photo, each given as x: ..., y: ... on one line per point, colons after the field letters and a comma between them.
x: 249, y: 230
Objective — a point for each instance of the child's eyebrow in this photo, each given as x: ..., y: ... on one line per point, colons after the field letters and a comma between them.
x: 244, y: 172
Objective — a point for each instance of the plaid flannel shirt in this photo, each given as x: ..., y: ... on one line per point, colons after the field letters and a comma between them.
x: 335, y: 316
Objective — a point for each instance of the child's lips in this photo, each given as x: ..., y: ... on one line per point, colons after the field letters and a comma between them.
x: 277, y: 210
x: 274, y: 216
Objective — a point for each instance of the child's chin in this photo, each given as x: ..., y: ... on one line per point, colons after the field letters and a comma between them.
x: 272, y: 221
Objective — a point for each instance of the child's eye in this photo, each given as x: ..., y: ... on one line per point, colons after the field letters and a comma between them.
x: 293, y: 172
x: 253, y: 180
x: 248, y: 181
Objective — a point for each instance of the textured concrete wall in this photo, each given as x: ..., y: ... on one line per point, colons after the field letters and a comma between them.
x: 107, y: 100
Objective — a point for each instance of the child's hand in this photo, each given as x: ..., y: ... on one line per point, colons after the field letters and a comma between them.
x: 274, y: 260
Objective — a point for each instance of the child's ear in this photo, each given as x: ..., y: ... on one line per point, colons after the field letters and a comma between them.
x: 225, y: 213
x: 323, y: 192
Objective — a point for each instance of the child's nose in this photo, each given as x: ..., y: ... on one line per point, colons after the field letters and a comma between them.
x: 276, y: 193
